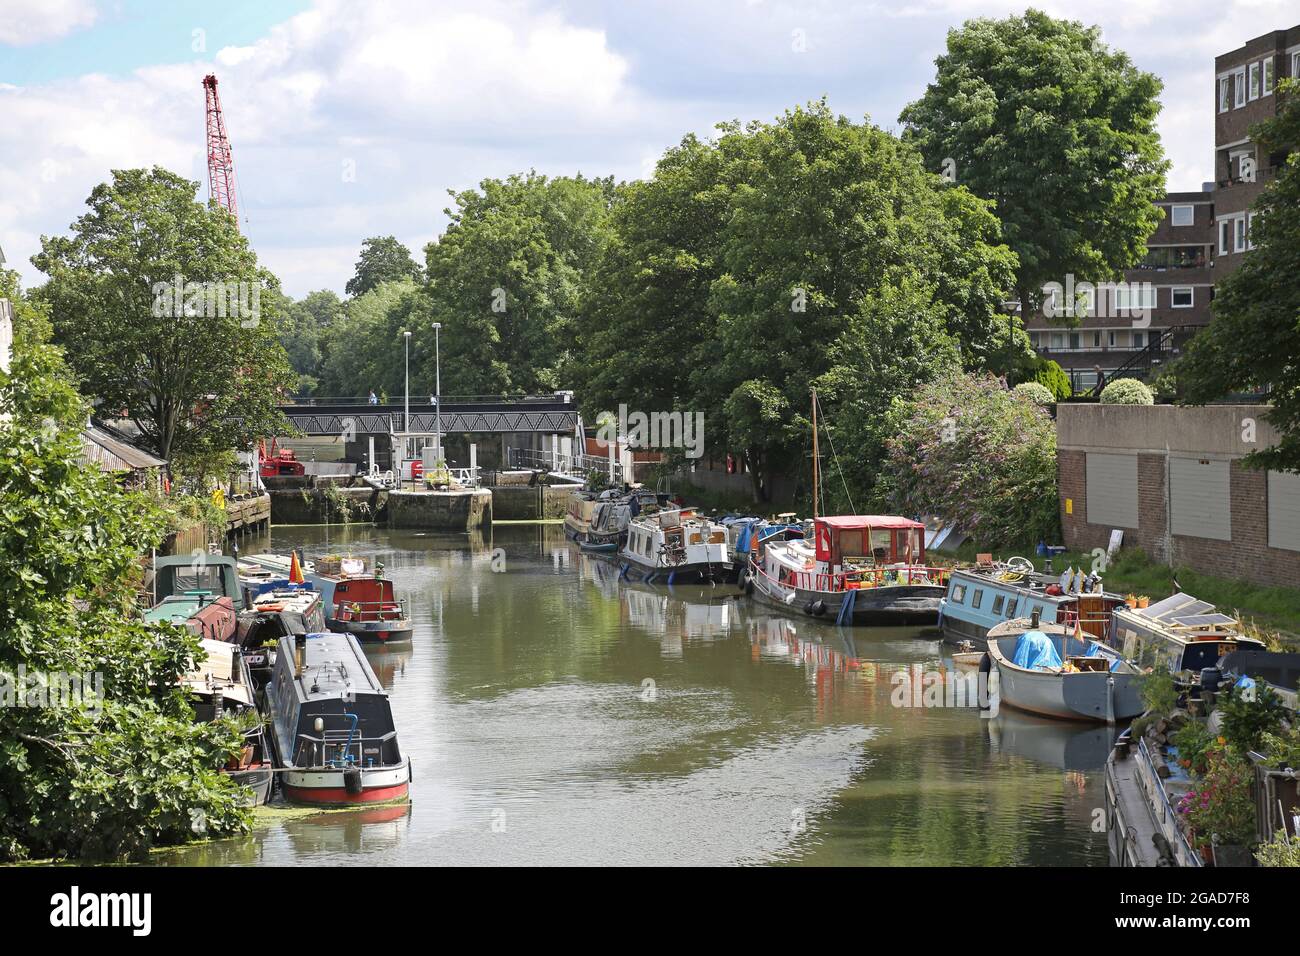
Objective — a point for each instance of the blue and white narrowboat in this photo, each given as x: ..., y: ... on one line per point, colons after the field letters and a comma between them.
x: 981, y: 598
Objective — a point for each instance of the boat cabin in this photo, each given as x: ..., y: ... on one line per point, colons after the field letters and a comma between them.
x: 204, y: 615
x: 213, y: 574
x: 326, y: 678
x: 871, y: 540
x: 1181, y: 633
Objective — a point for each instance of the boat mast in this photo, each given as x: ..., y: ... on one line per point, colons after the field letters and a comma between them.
x: 815, y: 475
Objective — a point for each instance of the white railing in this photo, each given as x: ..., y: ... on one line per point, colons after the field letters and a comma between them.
x: 577, y: 465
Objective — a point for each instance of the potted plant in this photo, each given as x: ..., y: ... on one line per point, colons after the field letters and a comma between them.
x: 1143, y: 601
x: 1131, y: 600
x: 1220, y: 814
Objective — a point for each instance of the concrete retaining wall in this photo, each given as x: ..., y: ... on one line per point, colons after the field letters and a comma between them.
x: 538, y: 503
x: 449, y: 511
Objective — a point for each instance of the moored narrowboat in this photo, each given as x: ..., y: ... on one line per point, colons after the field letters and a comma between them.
x: 676, y: 546
x: 981, y: 598
x: 332, y: 724
x: 222, y: 685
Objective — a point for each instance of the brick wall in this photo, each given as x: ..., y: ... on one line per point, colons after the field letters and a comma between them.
x: 1247, y: 556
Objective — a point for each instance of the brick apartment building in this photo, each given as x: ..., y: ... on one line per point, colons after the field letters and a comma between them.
x: 1201, y: 238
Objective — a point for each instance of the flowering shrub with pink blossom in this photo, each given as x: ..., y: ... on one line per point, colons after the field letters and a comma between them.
x: 981, y: 456
x: 1221, y: 808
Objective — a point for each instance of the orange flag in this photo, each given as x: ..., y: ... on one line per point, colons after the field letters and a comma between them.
x: 295, y: 569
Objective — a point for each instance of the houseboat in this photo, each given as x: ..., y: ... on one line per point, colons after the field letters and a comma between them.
x: 858, y: 569
x: 1049, y: 670
x: 333, y: 729
x: 676, y: 546
x: 981, y: 598
x: 281, y: 610
x: 356, y: 601
x: 577, y: 517
x: 222, y: 685
x: 607, y: 529
x: 1180, y: 633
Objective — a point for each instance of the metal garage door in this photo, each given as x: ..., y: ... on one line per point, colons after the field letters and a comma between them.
x: 1284, y: 510
x: 1112, y: 489
x: 1200, y: 498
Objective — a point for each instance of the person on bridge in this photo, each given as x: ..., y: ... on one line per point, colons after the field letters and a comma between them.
x: 433, y: 399
x: 374, y: 399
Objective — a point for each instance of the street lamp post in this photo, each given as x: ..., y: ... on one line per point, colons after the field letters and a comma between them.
x: 406, y: 407
x: 437, y: 387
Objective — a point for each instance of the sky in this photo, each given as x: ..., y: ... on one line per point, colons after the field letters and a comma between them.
x: 354, y: 119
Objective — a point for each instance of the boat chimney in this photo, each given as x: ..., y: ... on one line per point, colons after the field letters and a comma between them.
x: 1033, y: 619
x: 300, y: 654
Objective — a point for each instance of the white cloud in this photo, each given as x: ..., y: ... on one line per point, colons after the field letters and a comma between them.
x: 351, y: 120
x: 24, y: 22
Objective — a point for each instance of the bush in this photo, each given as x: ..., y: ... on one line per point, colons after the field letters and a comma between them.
x: 966, y: 448
x: 1127, y: 391
x: 1281, y: 851
x: 1247, y: 719
x: 1036, y: 393
x: 1052, y: 377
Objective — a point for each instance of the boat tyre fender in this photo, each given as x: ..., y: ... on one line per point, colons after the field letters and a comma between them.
x: 352, y: 780
x: 749, y: 586
x: 817, y: 608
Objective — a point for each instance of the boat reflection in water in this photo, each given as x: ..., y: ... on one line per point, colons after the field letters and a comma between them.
x: 1055, y: 743
x: 680, y: 615
x: 346, y: 834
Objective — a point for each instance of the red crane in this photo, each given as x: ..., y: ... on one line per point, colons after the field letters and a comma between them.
x: 221, y: 159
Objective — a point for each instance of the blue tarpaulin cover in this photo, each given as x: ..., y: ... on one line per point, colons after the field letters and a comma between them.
x: 1034, y: 650
x: 1094, y: 650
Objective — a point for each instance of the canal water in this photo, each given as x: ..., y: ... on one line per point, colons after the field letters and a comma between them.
x: 557, y: 715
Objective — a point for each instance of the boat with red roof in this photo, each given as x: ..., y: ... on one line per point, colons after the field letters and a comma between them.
x: 855, y: 569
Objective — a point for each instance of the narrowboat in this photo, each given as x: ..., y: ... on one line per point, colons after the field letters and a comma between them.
x: 332, y: 725
x: 282, y: 610
x: 981, y: 598
x: 221, y: 685
x: 1047, y: 669
x: 577, y: 517
x: 607, y: 529
x: 676, y: 546
x: 857, y: 569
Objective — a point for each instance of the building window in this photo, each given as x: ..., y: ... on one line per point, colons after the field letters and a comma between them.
x: 1182, y: 215
x: 1225, y: 236
x: 1181, y: 297
x: 1295, y: 64
x: 1139, y: 340
x: 1239, y: 88
x: 1239, y: 234
x: 1268, y: 76
x: 1096, y: 340
x: 1256, y: 75
x: 1225, y: 95
x: 1129, y: 296
x: 1110, y: 340
x: 1250, y: 231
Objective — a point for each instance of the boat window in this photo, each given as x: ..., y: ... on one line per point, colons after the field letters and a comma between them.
x: 979, y: 596
x: 850, y: 542
x: 997, y: 604
x: 880, y: 544
x: 958, y: 593
x: 1011, y: 607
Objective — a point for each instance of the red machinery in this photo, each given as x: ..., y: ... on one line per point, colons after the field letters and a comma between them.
x: 221, y: 159
x: 279, y: 462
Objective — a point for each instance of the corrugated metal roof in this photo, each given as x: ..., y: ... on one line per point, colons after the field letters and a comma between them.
x: 112, y: 452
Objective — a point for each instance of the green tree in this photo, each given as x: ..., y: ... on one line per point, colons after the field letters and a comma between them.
x: 383, y: 259
x: 363, y: 349
x: 1059, y: 131
x: 782, y: 255
x: 983, y: 457
x: 107, y: 775
x: 1254, y: 339
x: 160, y: 303
x: 505, y: 280
x: 303, y: 332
